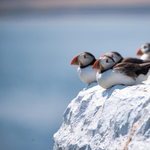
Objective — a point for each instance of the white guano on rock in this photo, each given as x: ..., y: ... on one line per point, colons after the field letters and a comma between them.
x: 114, y: 119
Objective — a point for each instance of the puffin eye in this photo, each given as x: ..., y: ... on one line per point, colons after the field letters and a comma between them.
x: 145, y: 46
x: 107, y: 60
x: 84, y: 56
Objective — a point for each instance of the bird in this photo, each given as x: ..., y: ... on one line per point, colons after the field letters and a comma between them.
x: 85, y: 61
x: 144, y: 52
x: 110, y: 74
x: 119, y: 59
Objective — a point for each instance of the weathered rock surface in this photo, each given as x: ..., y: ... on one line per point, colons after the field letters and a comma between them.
x: 114, y: 119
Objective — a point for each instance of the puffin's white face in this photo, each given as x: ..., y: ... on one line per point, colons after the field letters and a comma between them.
x: 145, y: 48
x: 116, y: 57
x: 106, y: 63
x: 85, y: 59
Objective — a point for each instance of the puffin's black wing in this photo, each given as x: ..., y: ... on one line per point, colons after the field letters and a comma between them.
x: 144, y: 68
x: 129, y: 69
x: 135, y: 60
x: 133, y: 70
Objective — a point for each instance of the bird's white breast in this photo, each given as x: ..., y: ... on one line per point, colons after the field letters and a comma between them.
x: 144, y: 57
x: 110, y: 78
x: 87, y: 74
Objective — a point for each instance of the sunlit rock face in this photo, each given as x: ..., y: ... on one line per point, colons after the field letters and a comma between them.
x: 114, y: 119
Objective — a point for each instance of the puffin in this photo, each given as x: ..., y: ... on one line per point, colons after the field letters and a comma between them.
x: 144, y: 52
x: 110, y: 74
x: 85, y: 61
x: 119, y: 59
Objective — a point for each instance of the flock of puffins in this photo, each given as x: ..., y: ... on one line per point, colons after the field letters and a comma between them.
x: 112, y: 69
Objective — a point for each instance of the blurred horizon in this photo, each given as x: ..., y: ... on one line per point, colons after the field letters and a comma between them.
x: 38, y: 4
x: 9, y: 7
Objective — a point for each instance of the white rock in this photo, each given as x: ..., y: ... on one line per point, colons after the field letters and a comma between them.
x: 114, y: 119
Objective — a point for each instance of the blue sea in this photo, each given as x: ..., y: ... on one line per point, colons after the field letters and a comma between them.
x: 37, y: 81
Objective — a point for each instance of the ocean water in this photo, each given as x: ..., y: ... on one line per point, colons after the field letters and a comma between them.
x: 37, y: 81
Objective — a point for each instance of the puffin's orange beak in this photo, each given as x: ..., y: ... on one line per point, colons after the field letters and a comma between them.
x: 139, y: 52
x: 75, y: 61
x: 96, y: 64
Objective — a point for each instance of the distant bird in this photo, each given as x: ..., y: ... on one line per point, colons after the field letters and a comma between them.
x: 144, y: 51
x: 85, y: 62
x: 110, y: 74
x: 119, y: 59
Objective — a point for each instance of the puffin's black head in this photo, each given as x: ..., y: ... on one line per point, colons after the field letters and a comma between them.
x: 144, y: 49
x: 104, y: 63
x: 83, y: 60
x: 115, y: 55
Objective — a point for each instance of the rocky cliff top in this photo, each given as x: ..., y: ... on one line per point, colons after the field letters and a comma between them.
x: 115, y: 119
